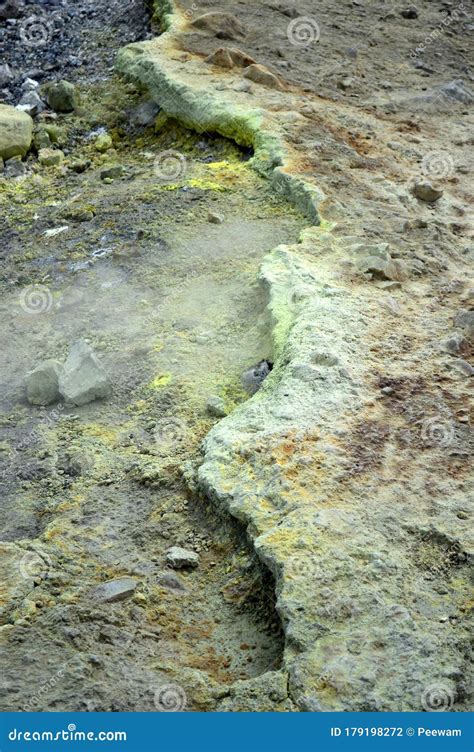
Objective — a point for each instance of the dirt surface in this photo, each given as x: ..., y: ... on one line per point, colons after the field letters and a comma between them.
x: 349, y: 469
x: 170, y: 304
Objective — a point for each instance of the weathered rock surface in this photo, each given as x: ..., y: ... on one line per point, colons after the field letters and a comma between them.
x: 16, y: 132
x: 329, y: 478
x: 83, y: 378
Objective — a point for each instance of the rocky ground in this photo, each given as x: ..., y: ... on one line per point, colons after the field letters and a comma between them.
x: 326, y: 518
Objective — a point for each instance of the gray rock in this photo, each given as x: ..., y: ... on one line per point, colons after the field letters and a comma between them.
x: 425, y: 191
x: 112, y: 172
x: 258, y: 694
x: 61, y: 96
x: 456, y: 90
x: 42, y: 384
x: 255, y: 376
x: 215, y: 219
x: 31, y: 103
x: 83, y: 379
x: 170, y: 580
x: 179, y: 558
x: 145, y: 113
x: 462, y: 366
x: 383, y: 269
x: 453, y: 344
x: 216, y: 406
x: 29, y: 84
x: 14, y: 168
x: 465, y: 320
x: 114, y: 590
x: 6, y: 75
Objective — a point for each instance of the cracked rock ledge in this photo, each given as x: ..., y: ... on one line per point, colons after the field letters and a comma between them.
x: 356, y: 513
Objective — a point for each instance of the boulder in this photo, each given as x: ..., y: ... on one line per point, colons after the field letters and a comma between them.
x: 16, y: 132
x: 42, y: 383
x: 179, y: 558
x: 221, y: 25
x: 230, y: 57
x: 261, y: 75
x: 61, y: 96
x: 83, y: 379
x: 386, y: 269
x: 425, y: 191
x: 114, y: 590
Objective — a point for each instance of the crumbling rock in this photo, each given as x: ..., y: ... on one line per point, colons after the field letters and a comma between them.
x: 230, y: 57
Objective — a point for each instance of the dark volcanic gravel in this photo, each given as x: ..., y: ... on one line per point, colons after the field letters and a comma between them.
x: 72, y: 39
